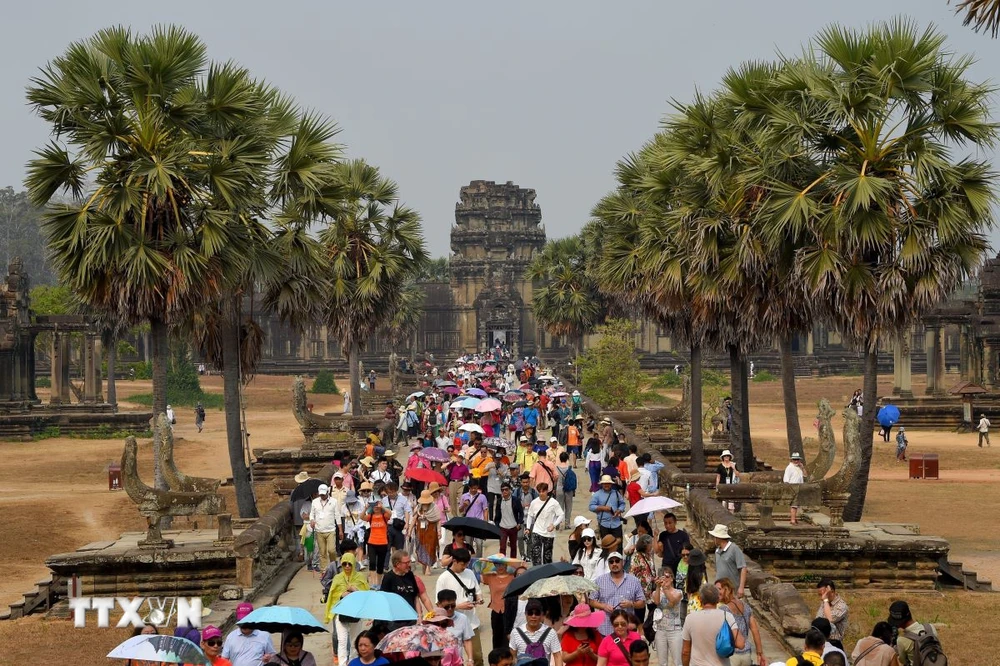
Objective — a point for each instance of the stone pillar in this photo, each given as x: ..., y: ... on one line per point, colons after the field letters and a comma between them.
x: 986, y: 366
x: 809, y: 343
x: 32, y: 395
x: 942, y: 366
x: 897, y: 363
x: 905, y: 367
x: 90, y: 370
x: 930, y: 341
x: 55, y: 369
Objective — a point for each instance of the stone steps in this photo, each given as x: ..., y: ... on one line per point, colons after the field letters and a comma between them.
x: 955, y: 573
x: 41, y: 598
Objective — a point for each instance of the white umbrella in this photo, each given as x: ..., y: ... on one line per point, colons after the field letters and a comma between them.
x: 651, y: 504
x: 472, y: 427
x: 415, y: 394
x: 547, y: 378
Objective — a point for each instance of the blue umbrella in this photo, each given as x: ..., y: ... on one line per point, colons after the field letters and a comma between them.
x: 888, y: 415
x: 470, y: 403
x: 275, y: 619
x: 368, y: 605
x: 160, y: 649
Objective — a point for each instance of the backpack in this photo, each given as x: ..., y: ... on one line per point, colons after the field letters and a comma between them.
x: 432, y: 418
x: 569, y: 481
x: 535, y: 650
x: 927, y: 650
x: 724, y: 645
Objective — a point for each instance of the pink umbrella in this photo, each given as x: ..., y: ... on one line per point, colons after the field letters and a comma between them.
x: 490, y: 368
x: 451, y: 390
x: 489, y: 405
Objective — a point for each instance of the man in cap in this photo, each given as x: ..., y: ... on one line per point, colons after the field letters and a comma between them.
x: 247, y: 647
x: 524, y: 495
x: 833, y: 607
x: 607, y: 433
x: 729, y: 559
x: 400, y: 516
x: 325, y: 520
x: 535, y: 632
x: 794, y: 473
x: 339, y: 490
x: 525, y: 456
x: 609, y: 505
x: 901, y: 618
x: 984, y: 430
x: 616, y: 589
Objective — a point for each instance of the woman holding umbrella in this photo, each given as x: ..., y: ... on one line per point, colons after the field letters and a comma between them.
x: 291, y: 653
x: 426, y: 528
x: 348, y: 580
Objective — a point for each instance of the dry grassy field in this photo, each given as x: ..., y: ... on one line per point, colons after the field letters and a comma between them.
x: 54, y: 498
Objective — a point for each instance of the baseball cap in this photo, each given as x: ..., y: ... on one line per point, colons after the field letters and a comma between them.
x: 581, y: 520
x: 243, y: 609
x: 338, y: 475
x: 210, y: 632
x: 323, y: 489
x: 614, y: 555
x: 553, y: 439
x: 899, y: 611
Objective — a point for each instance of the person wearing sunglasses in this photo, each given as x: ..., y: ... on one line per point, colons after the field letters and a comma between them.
x: 614, y: 649
x: 211, y: 645
x: 292, y: 653
x: 534, y: 638
x: 347, y: 581
x: 616, y: 590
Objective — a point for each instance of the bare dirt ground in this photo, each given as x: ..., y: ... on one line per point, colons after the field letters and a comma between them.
x: 54, y: 496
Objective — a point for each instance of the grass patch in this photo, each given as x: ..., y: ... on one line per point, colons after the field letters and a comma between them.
x: 183, y: 399
x: 668, y: 380
x: 765, y: 376
x: 654, y: 398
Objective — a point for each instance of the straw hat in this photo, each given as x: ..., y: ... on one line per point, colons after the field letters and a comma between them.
x: 425, y: 497
x: 434, y: 487
x: 302, y: 477
x: 366, y: 485
x: 634, y: 476
x: 367, y: 461
x: 606, y: 479
x: 609, y: 541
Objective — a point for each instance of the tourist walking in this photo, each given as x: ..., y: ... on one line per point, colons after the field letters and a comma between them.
x: 325, y: 521
x: 983, y: 427
x: 833, y: 607
x: 211, y: 642
x: 609, y: 505
x: 616, y: 590
x: 565, y: 487
x: 910, y: 632
x: 670, y: 542
x: 726, y: 473
x: 347, y: 401
x: 199, y: 419
x: 400, y: 516
x: 876, y: 650
x: 245, y: 646
x: 668, y: 600
x: 901, y: 443
x: 349, y: 580
x: 501, y: 612
x: 524, y: 494
x: 701, y: 628
x: 401, y: 580
x: 460, y: 579
x: 545, y: 517
x: 729, y: 559
x: 589, y: 554
x: 535, y: 639
x: 581, y: 640
x: 794, y: 473
x: 595, y: 462
x: 744, y: 620
x: 614, y: 649
x: 509, y: 517
x: 378, y: 542
x: 171, y: 419
x: 426, y: 528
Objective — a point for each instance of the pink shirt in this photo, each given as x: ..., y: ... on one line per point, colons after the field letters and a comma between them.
x: 613, y: 652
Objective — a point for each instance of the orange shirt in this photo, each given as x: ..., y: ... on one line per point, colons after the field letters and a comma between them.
x: 572, y: 436
x: 379, y: 535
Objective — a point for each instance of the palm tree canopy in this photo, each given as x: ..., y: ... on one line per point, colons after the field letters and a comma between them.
x: 567, y: 302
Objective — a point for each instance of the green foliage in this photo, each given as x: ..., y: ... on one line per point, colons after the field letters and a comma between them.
x: 21, y: 236
x: 143, y: 369
x: 43, y: 381
x: 654, y: 398
x: 55, y: 300
x: 609, y: 371
x: 324, y: 383
x: 182, y: 377
x: 713, y: 378
x: 208, y: 400
x: 435, y: 270
x: 765, y: 376
x: 668, y: 380
x: 49, y: 432
x: 183, y: 387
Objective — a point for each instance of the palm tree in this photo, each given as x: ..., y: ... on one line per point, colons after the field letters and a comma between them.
x: 982, y: 14
x: 372, y: 251
x: 896, y: 219
x: 566, y: 300
x: 124, y: 110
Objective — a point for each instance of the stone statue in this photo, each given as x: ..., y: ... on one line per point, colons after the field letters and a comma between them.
x: 176, y: 480
x: 817, y: 468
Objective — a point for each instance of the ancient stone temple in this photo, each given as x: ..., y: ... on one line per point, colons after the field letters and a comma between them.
x: 498, y: 230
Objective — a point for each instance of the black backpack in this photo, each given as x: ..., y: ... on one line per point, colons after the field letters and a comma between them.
x: 927, y: 650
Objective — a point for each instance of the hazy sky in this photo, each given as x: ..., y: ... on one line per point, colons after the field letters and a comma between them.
x: 546, y: 94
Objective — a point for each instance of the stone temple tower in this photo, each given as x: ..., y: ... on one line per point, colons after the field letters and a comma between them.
x: 498, y: 230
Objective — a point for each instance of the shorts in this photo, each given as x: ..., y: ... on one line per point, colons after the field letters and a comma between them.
x: 575, y: 450
x: 377, y: 556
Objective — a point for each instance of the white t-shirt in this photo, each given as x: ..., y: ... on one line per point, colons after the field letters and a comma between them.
x: 793, y: 474
x: 446, y: 581
x: 551, y: 642
x: 701, y: 628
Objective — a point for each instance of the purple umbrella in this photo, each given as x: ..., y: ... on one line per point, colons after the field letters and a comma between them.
x: 451, y: 390
x: 434, y: 454
x: 479, y: 393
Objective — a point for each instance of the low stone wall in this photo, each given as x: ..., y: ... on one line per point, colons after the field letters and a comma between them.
x: 77, y: 420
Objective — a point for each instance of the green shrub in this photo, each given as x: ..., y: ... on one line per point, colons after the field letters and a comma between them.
x: 43, y: 381
x: 668, y: 380
x: 143, y: 369
x: 324, y: 383
x: 764, y: 376
x: 48, y: 433
x: 208, y: 400
x: 713, y: 378
x: 609, y: 371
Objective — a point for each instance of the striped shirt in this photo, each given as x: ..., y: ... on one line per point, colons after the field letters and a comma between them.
x: 613, y: 593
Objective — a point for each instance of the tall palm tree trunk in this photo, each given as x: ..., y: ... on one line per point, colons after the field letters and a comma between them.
x: 161, y: 357
x: 792, y: 426
x: 736, y: 393
x: 859, y: 486
x: 231, y: 379
x: 749, y: 461
x: 353, y: 357
x: 697, y: 443
x: 112, y: 359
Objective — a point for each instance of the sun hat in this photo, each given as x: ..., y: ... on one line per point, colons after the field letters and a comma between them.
x: 581, y: 520
x: 416, y: 446
x: 436, y: 615
x: 210, y: 632
x: 576, y: 393
x: 367, y: 485
x: 425, y: 498
x: 615, y: 555
x: 608, y: 421
x: 720, y: 532
x: 338, y: 475
x: 523, y: 439
x: 367, y: 461
x: 389, y: 454
x: 351, y: 497
x: 243, y: 609
x: 606, y: 479
x: 609, y: 541
x: 434, y: 487
x: 696, y: 558
x: 634, y: 476
x: 553, y: 439
x: 323, y: 489
x: 726, y: 452
x: 584, y: 617
x: 587, y: 532
x: 796, y: 456
x: 302, y: 477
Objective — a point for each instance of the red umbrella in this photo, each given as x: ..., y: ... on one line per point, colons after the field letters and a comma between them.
x: 425, y: 475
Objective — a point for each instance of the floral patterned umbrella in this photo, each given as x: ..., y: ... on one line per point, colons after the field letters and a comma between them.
x: 419, y: 638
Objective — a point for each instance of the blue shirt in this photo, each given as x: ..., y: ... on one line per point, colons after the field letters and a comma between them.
x: 247, y: 650
x: 380, y: 661
x: 612, y: 593
x: 531, y: 416
x: 654, y: 469
x: 612, y: 498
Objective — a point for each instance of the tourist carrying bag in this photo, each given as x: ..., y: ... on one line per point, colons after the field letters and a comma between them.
x: 535, y: 650
x: 927, y: 650
x: 725, y: 645
x: 621, y: 646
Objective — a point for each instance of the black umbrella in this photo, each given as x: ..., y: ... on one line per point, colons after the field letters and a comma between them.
x: 473, y: 527
x: 521, y: 403
x: 524, y: 581
x: 305, y: 490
